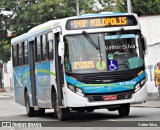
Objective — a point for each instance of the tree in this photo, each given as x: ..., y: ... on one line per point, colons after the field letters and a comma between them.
x: 141, y: 7
x: 27, y: 14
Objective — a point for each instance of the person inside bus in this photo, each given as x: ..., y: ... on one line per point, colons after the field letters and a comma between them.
x: 157, y: 77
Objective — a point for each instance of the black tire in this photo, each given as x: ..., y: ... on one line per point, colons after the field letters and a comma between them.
x: 63, y: 114
x: 60, y: 113
x: 30, y: 110
x: 40, y: 112
x: 90, y: 110
x: 124, y: 110
x: 54, y: 104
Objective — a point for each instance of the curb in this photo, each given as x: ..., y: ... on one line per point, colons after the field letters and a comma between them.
x: 146, y: 106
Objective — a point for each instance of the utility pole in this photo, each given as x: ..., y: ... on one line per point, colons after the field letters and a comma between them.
x: 77, y: 7
x: 129, y: 6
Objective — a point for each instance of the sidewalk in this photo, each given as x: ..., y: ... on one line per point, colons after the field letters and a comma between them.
x: 149, y: 104
x: 7, y: 94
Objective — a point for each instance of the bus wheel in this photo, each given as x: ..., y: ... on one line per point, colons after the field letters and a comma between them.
x: 62, y: 113
x: 124, y: 110
x: 30, y: 110
x: 54, y: 104
x: 90, y: 110
x: 40, y: 112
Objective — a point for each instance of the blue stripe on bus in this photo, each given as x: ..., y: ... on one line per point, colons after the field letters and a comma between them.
x: 120, y: 36
x: 106, y: 88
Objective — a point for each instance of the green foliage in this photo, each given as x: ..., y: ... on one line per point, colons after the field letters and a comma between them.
x: 5, y: 51
x: 28, y: 14
x: 141, y: 7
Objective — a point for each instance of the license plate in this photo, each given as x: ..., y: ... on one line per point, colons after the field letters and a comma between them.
x: 109, y: 98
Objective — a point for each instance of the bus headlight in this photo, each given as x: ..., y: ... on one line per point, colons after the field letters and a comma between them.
x: 143, y: 81
x: 139, y: 85
x: 76, y: 90
x: 71, y: 87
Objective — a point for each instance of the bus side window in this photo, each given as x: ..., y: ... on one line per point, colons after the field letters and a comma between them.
x: 20, y: 54
x: 44, y: 47
x: 25, y: 52
x: 14, y: 55
x: 38, y: 49
x: 17, y: 55
x: 50, y: 45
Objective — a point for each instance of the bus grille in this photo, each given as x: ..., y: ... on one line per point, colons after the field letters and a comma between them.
x: 102, y: 79
x: 120, y: 96
x: 106, y: 77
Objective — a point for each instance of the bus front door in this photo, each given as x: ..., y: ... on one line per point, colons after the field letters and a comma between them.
x: 32, y: 72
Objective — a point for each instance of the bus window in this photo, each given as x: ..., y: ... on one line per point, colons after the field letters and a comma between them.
x: 25, y: 52
x: 38, y: 49
x: 20, y: 54
x: 50, y: 45
x: 44, y: 47
x: 17, y: 55
x: 50, y: 49
x: 14, y: 55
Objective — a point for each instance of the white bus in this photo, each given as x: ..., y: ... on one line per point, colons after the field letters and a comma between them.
x: 80, y: 64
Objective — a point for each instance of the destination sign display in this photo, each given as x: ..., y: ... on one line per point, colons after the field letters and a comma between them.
x: 100, y: 22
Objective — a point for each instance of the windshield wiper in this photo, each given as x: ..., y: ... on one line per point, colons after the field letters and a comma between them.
x: 90, y: 40
x: 119, y: 34
x: 87, y: 36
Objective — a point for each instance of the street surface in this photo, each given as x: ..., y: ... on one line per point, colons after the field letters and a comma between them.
x: 11, y: 111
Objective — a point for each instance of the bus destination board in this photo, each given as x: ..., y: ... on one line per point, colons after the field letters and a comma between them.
x: 100, y: 22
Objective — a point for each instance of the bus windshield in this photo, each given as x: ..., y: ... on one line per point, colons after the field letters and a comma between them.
x: 115, y: 53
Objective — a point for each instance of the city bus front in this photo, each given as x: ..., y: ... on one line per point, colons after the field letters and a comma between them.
x: 105, y: 69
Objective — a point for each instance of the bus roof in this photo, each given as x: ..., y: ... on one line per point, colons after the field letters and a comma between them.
x: 55, y: 23
x: 36, y: 30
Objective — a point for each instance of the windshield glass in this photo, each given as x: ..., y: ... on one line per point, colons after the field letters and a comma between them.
x: 118, y: 53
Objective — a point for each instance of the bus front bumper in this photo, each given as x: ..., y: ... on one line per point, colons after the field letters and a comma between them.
x: 74, y: 100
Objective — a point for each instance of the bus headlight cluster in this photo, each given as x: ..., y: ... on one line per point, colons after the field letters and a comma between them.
x: 76, y: 90
x: 139, y: 85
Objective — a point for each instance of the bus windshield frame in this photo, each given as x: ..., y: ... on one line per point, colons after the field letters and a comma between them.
x: 123, y: 51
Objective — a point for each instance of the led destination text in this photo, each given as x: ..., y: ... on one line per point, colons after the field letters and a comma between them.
x: 101, y: 22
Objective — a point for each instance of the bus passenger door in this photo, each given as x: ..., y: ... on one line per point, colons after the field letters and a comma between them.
x: 59, y: 71
x: 32, y: 72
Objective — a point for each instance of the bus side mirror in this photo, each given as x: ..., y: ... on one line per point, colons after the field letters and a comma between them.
x: 61, y: 49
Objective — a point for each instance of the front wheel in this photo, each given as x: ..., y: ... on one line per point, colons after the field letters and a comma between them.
x: 60, y: 113
x: 124, y: 110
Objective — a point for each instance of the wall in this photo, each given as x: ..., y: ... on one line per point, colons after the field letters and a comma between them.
x: 151, y: 30
x: 7, y: 75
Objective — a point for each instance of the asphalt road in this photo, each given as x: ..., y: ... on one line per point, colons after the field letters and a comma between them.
x: 11, y: 111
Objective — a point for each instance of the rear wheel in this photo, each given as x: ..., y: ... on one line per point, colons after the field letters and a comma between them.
x: 124, y: 110
x: 30, y: 110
